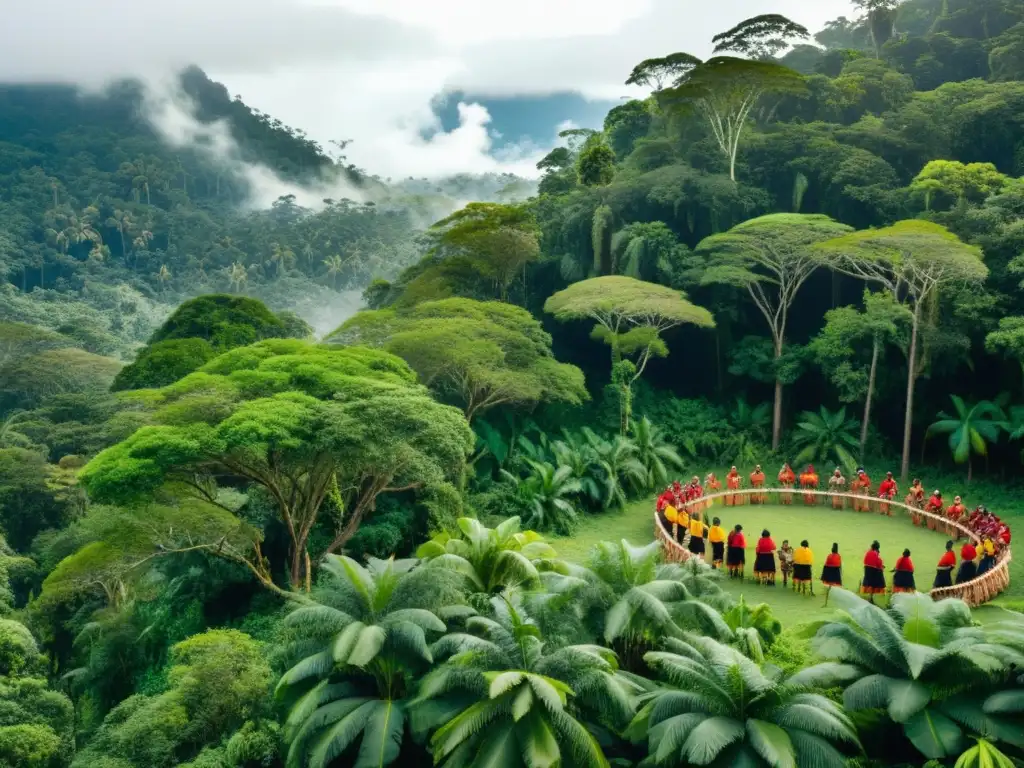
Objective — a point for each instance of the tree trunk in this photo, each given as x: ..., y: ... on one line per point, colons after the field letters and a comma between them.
x: 867, y: 400
x: 718, y: 360
x: 777, y: 409
x: 908, y: 416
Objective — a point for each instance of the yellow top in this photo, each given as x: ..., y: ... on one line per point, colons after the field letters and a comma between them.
x: 679, y: 517
x: 697, y: 528
x: 670, y: 513
x: 989, y: 547
x: 716, y: 534
x: 803, y: 556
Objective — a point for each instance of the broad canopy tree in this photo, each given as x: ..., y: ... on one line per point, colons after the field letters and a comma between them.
x: 305, y: 422
x: 479, y: 354
x: 771, y: 257
x: 914, y: 261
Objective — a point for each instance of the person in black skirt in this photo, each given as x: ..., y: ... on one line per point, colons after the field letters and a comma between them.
x: 716, y: 535
x: 968, y: 568
x: 873, y: 582
x: 944, y: 572
x: 832, y: 573
x: 764, y: 563
x: 903, y: 574
x: 736, y: 552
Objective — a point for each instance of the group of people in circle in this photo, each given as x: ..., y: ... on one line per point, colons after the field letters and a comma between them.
x: 681, y: 510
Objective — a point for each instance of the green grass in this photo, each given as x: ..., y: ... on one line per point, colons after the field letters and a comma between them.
x: 853, y: 531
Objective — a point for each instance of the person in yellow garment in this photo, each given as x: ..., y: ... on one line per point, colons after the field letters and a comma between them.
x: 717, y: 536
x: 679, y: 522
x: 697, y: 532
x: 803, y: 561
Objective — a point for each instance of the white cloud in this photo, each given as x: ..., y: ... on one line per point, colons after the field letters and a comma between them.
x: 368, y: 70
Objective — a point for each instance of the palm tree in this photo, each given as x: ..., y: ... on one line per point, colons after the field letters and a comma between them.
x: 753, y: 420
x: 163, y: 276
x: 619, y: 468
x: 927, y: 666
x: 984, y: 755
x: 718, y: 708
x: 238, y: 276
x: 755, y: 627
x: 573, y: 452
x: 970, y: 429
x: 824, y: 436
x: 642, y: 600
x: 654, y: 452
x: 282, y: 257
x: 124, y: 223
x: 335, y: 264
x: 547, y: 489
x: 489, y: 559
x: 361, y: 649
x: 506, y: 697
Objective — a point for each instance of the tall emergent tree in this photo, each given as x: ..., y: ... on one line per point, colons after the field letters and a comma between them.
x: 915, y: 261
x: 481, y: 354
x: 630, y: 316
x: 725, y: 89
x: 771, y: 257
x: 304, y: 422
x: 835, y: 347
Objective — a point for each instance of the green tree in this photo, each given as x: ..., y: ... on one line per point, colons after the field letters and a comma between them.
x: 659, y: 73
x: 771, y: 257
x: 504, y: 694
x: 360, y: 650
x: 914, y: 261
x: 223, y: 321
x: 835, y: 348
x: 480, y: 354
x: 654, y: 452
x: 957, y: 183
x: 760, y: 37
x: 619, y: 471
x: 595, y: 166
x: 927, y: 666
x: 716, y: 707
x: 299, y: 420
x: 629, y: 315
x: 163, y: 363
x: 971, y: 428
x: 549, y: 491
x: 824, y: 436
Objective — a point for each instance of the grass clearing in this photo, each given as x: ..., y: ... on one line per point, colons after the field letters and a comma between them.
x: 853, y: 531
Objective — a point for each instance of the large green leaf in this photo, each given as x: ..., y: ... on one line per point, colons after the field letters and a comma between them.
x: 382, y: 736
x: 934, y: 735
x: 710, y: 737
x: 772, y: 743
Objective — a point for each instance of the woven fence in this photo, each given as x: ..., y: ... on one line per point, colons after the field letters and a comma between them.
x: 974, y: 592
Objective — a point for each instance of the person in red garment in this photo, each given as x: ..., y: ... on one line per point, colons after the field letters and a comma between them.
x: 903, y: 574
x: 887, y: 490
x: 736, y: 552
x: 757, y: 482
x: 915, y: 500
x: 711, y: 486
x: 968, y: 568
x: 873, y: 582
x: 954, y: 512
x: 863, y: 489
x: 732, y: 483
x: 787, y: 477
x: 832, y: 573
x: 764, y: 564
x: 944, y: 571
x: 935, y: 506
x: 809, y: 482
x: 679, y: 494
x: 837, y: 485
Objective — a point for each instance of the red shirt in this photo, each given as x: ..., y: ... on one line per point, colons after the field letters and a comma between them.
x: 865, y: 481
x: 968, y: 552
x: 1004, y: 534
x: 765, y: 545
x: 664, y: 500
x: 887, y: 488
x: 948, y: 560
x: 873, y: 560
x: 732, y: 481
x: 904, y: 564
x: 738, y: 540
x: 955, y: 511
x: 833, y: 560
x: 934, y: 504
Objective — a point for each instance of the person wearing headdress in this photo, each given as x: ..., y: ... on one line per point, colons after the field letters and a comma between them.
x: 832, y: 573
x: 736, y: 552
x: 944, y: 570
x: 716, y: 535
x: 698, y: 493
x: 787, y: 477
x: 698, y: 530
x: 865, y: 490
x: 968, y: 568
x: 757, y: 483
x: 954, y: 512
x: 679, y: 493
x: 836, y: 486
x: 915, y: 500
x: 935, y: 507
x: 732, y: 483
x: 1003, y: 533
x: 712, y: 486
x: 764, y: 564
x: 803, y: 562
x: 887, y: 490
x: 988, y: 556
x: 665, y: 498
x: 809, y: 481
x: 786, y: 561
x: 903, y: 574
x: 873, y: 582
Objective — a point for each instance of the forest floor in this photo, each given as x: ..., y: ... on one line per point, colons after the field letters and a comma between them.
x: 821, y: 526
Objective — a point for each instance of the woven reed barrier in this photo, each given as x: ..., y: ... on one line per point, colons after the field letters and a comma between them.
x: 974, y: 592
